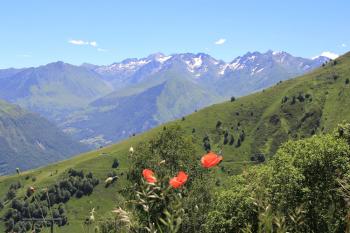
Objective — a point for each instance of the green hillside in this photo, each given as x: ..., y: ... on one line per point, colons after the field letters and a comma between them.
x: 137, y: 109
x: 312, y: 104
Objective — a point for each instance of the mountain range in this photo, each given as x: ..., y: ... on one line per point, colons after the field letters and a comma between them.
x: 137, y: 94
x: 53, y: 90
x: 160, y: 88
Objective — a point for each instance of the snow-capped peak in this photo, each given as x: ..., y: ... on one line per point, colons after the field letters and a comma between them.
x: 159, y: 57
x: 163, y: 59
x: 194, y: 63
x: 277, y: 52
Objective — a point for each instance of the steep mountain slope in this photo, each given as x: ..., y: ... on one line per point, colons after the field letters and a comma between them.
x: 28, y: 141
x: 136, y: 110
x: 297, y: 108
x: 53, y: 90
x: 9, y: 72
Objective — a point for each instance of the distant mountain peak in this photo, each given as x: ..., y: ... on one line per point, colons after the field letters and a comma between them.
x: 57, y: 63
x: 155, y: 56
x: 159, y: 57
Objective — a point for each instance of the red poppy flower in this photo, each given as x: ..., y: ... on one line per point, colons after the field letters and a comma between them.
x: 178, y: 180
x: 210, y: 160
x: 149, y: 176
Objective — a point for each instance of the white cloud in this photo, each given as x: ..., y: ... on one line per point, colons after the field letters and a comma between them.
x: 93, y: 43
x: 343, y: 45
x: 220, y: 41
x: 78, y: 42
x: 87, y: 43
x: 328, y: 54
x: 83, y: 42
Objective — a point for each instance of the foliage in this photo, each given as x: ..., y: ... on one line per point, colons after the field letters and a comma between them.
x: 159, y: 205
x: 297, y: 190
x: 47, y: 203
x: 170, y: 145
x: 115, y: 163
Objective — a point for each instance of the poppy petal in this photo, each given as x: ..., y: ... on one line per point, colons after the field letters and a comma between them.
x: 178, y: 180
x: 211, y: 159
x: 149, y: 176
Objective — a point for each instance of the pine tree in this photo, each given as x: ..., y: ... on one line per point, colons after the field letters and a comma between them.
x: 232, y: 140
x: 238, y: 143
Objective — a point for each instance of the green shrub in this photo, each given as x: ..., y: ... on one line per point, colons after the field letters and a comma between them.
x: 296, y: 191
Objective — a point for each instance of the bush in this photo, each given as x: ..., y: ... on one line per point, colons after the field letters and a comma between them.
x: 232, y: 209
x: 335, y: 76
x: 232, y: 140
x: 238, y: 143
x: 206, y: 143
x: 293, y: 100
x: 233, y: 99
x: 300, y: 185
x: 11, y: 193
x: 301, y: 98
x: 225, y: 140
x: 242, y: 136
x: 309, y: 166
x: 170, y: 145
x: 259, y: 157
x: 347, y: 81
x: 115, y: 163
x: 178, y: 150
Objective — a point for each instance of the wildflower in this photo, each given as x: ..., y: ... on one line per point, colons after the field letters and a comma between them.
x: 131, y: 150
x: 31, y: 189
x: 210, y: 160
x: 178, y: 180
x: 149, y: 176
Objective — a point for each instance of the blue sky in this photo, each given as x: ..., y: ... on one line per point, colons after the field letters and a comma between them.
x: 102, y: 32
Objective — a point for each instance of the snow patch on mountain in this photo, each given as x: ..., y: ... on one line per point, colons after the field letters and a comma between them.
x: 194, y: 64
x: 163, y: 59
x: 236, y: 64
